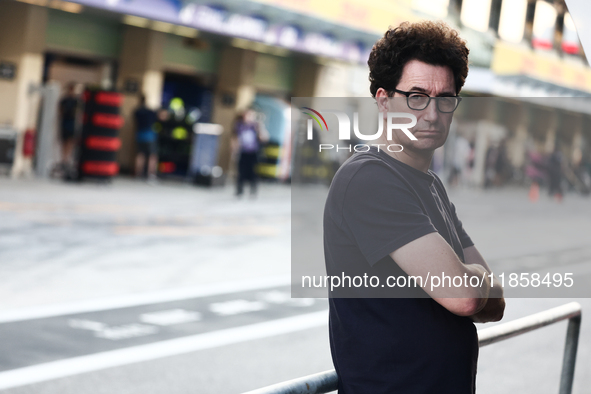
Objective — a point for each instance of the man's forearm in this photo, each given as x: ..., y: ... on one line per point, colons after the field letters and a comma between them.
x: 483, y: 290
x: 494, y: 306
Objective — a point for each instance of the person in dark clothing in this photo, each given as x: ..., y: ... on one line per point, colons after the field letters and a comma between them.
x: 146, y: 140
x: 387, y: 214
x: 68, y: 110
x: 536, y: 171
x: 555, y: 175
x: 246, y: 142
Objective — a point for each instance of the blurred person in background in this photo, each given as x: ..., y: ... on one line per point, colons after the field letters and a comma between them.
x: 246, y: 143
x: 497, y: 166
x: 503, y: 168
x: 536, y: 172
x: 490, y: 166
x: 146, y: 140
x: 555, y: 174
x: 582, y: 171
x: 461, y: 158
x: 69, y: 108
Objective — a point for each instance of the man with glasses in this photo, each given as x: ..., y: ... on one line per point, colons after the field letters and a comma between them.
x: 388, y: 215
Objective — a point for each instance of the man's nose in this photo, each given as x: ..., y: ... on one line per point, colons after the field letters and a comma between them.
x: 431, y: 113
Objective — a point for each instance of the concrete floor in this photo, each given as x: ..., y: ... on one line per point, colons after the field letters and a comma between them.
x: 62, y: 243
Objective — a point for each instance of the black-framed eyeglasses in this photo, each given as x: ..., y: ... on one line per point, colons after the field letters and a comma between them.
x: 419, y: 101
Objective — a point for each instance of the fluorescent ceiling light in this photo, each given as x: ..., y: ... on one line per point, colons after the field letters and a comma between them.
x: 162, y: 26
x: 135, y: 21
x: 185, y: 31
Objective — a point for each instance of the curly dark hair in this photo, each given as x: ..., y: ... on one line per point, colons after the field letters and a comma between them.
x: 434, y: 43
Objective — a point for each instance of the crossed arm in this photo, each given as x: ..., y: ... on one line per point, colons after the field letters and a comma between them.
x: 432, y: 254
x: 495, y: 305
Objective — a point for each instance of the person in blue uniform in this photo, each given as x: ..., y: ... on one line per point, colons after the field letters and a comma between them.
x: 146, y: 140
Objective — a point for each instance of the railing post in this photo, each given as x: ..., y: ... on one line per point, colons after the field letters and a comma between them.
x: 570, y: 355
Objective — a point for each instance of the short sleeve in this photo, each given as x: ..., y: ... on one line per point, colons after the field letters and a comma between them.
x: 383, y: 212
x: 465, y: 239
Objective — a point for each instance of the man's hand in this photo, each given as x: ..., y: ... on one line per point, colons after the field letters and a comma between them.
x: 494, y: 308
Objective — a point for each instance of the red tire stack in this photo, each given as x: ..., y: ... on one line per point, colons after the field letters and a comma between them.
x: 100, y: 134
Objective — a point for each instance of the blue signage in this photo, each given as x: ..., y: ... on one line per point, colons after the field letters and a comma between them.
x: 218, y: 20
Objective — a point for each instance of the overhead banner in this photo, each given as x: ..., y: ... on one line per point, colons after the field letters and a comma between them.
x: 513, y: 60
x: 218, y: 20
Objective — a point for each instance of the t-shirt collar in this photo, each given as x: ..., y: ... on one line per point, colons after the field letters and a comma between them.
x: 428, y: 176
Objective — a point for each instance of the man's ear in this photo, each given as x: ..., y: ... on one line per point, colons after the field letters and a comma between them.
x: 382, y: 100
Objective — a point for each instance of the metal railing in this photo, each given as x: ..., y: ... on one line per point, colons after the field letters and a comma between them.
x: 326, y: 382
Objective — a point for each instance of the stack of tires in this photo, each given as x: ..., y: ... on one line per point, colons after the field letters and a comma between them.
x: 100, y: 135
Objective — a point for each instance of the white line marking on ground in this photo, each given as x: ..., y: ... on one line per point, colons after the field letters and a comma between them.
x: 114, y: 333
x: 235, y: 307
x: 77, y: 365
x: 170, y: 317
x: 128, y: 300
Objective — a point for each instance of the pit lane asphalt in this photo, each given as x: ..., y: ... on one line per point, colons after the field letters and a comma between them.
x: 41, y: 340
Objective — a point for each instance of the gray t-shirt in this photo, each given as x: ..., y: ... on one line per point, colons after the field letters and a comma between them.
x: 375, y: 205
